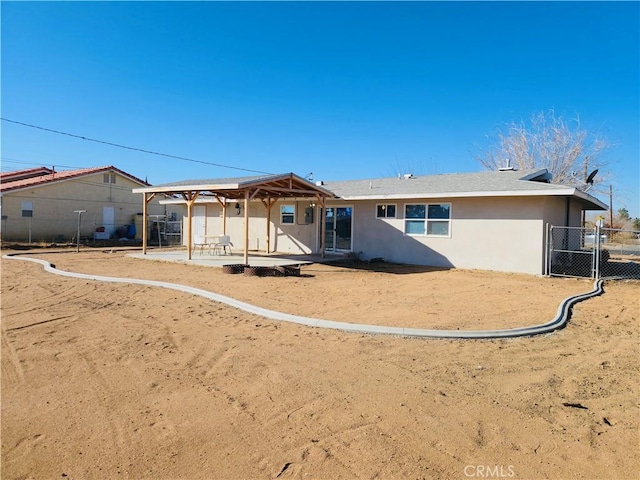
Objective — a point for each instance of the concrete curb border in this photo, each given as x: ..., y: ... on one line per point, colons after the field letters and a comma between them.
x: 559, y: 321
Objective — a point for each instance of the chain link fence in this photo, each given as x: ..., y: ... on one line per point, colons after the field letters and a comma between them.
x: 593, y: 252
x: 47, y: 231
x: 622, y: 249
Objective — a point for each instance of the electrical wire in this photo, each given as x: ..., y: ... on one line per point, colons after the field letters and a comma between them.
x: 133, y: 148
x: 38, y: 164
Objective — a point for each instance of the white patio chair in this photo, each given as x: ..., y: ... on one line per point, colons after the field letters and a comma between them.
x: 200, y: 242
x: 224, y: 242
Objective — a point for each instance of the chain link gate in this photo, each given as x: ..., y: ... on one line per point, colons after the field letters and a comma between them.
x: 571, y: 252
x: 592, y: 252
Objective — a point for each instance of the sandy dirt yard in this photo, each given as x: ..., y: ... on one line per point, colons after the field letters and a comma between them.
x: 109, y: 381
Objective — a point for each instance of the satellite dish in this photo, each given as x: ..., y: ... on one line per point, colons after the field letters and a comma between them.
x: 592, y: 176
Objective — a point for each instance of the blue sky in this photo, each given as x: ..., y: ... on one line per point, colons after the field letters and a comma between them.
x: 345, y: 90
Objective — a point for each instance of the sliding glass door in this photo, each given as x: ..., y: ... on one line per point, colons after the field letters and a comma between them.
x: 339, y: 228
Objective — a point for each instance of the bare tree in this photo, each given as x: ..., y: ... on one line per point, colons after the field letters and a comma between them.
x: 569, y: 152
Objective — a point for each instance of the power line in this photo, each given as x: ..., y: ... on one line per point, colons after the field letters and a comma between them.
x: 131, y: 148
x: 40, y: 164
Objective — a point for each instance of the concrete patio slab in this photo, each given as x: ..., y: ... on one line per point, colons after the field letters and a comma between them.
x: 207, y: 260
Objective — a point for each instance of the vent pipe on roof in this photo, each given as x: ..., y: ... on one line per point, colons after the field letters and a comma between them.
x: 507, y: 167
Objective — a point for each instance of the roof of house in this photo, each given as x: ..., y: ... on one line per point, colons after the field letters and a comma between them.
x: 36, y: 177
x: 22, y: 174
x: 480, y: 184
x: 261, y: 186
x: 502, y: 183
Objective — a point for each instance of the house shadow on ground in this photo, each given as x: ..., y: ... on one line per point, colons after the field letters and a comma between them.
x: 381, y: 266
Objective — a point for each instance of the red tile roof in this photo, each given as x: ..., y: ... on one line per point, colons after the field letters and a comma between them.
x: 21, y: 174
x: 35, y: 177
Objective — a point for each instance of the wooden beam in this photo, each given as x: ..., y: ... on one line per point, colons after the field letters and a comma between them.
x: 268, y: 188
x: 188, y: 229
x: 190, y: 197
x: 246, y: 227
x: 145, y: 214
x: 268, y: 203
x: 253, y: 195
x: 144, y: 223
x: 323, y: 224
x: 224, y: 218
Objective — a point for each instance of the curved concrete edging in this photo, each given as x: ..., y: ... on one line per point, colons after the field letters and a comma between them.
x: 559, y: 321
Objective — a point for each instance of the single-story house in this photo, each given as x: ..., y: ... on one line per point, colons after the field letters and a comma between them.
x: 45, y: 205
x: 493, y: 220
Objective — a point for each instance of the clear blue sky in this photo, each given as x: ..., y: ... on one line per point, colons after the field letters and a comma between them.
x: 343, y: 90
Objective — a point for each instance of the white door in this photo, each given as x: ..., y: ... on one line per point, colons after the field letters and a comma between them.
x: 109, y: 220
x: 198, y: 222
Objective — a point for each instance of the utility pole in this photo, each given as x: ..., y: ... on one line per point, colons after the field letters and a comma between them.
x: 611, y: 205
x: 79, y: 212
x: 586, y: 176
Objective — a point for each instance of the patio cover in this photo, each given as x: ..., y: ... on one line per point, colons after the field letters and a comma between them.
x: 267, y: 188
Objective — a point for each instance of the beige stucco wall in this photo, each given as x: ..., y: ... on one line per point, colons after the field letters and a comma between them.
x: 490, y: 233
x: 503, y: 234
x: 54, y: 205
x: 286, y: 238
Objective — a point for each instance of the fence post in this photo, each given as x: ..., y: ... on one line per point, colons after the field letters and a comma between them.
x: 547, y: 256
x: 596, y: 253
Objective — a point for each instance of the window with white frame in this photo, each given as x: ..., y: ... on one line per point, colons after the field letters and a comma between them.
x: 27, y: 209
x: 427, y: 219
x: 287, y: 214
x: 387, y: 210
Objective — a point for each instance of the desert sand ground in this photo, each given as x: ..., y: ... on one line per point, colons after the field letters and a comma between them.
x: 111, y: 381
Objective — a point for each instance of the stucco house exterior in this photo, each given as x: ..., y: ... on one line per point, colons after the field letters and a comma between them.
x: 493, y: 220
x: 41, y: 204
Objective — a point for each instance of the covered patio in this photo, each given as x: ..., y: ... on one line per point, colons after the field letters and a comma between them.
x: 268, y: 189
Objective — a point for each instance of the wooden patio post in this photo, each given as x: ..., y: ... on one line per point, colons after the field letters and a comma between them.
x: 224, y: 217
x: 190, y: 197
x: 268, y: 203
x: 144, y: 223
x: 323, y: 227
x: 246, y: 227
x: 145, y: 214
x: 189, y: 228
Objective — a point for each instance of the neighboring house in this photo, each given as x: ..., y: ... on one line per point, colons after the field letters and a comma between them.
x: 41, y: 204
x: 493, y: 220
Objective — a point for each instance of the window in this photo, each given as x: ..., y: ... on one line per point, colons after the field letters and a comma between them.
x: 427, y: 219
x: 27, y: 209
x: 386, y: 211
x: 109, y: 178
x: 287, y: 214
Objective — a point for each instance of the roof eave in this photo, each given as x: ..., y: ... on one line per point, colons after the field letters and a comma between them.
x: 187, y: 188
x: 591, y: 202
x: 496, y: 193
x: 221, y: 188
